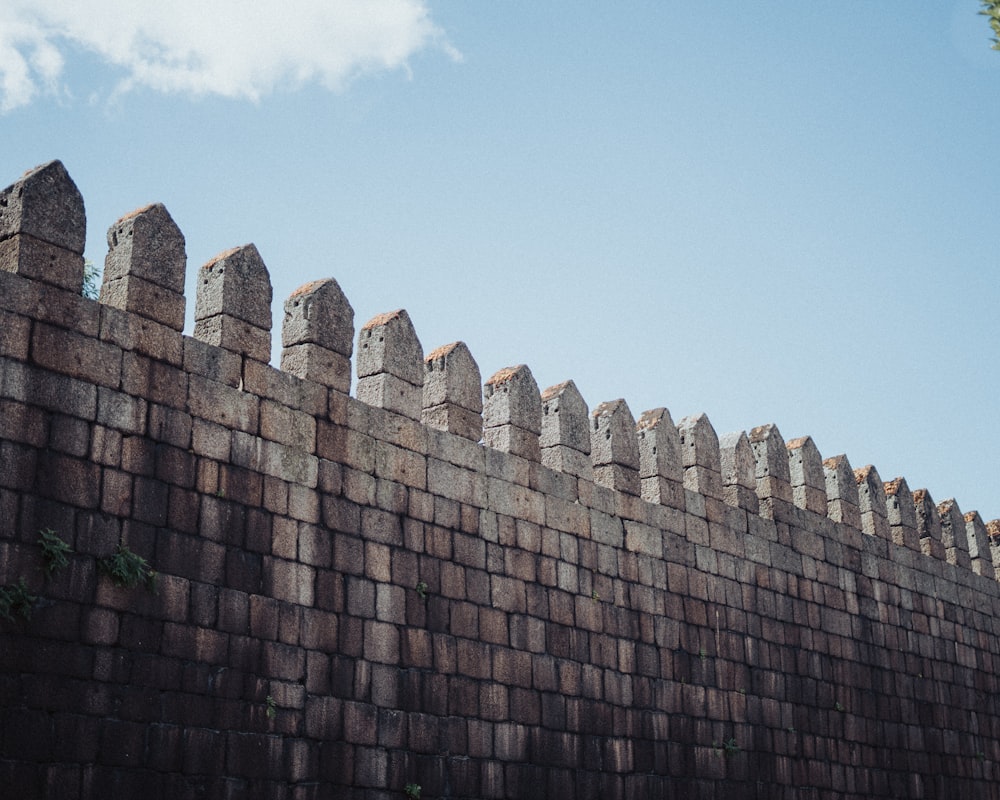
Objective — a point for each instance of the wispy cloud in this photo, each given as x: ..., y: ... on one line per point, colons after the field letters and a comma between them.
x: 231, y: 48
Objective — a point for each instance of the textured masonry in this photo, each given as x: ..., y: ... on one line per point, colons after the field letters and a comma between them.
x: 478, y: 588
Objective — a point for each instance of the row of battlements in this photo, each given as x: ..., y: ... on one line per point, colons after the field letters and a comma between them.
x: 42, y: 227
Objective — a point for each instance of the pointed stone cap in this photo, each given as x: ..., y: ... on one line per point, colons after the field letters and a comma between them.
x: 660, y: 471
x: 45, y: 204
x: 387, y: 343
x: 511, y: 397
x: 902, y: 514
x: 565, y: 438
x: 317, y: 334
x: 953, y: 536
x: 774, y: 481
x: 700, y: 456
x: 805, y: 469
x: 841, y: 491
x: 453, y: 395
x: 928, y: 524
x: 565, y: 418
x: 390, y: 364
x: 871, y: 502
x: 739, y: 481
x: 979, y: 545
x: 993, y: 534
x: 659, y: 446
x: 233, y: 306
x: 235, y: 284
x: 451, y: 375
x: 319, y: 313
x: 512, y: 412
x: 147, y: 244
x: 43, y: 228
x: 145, y: 266
x: 614, y: 449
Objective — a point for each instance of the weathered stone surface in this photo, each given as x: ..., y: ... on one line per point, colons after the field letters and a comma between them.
x: 738, y: 471
x: 233, y: 306
x: 144, y: 299
x: 45, y: 205
x: 660, y: 470
x: 928, y: 524
x: 451, y: 375
x: 871, y: 502
x: 993, y: 532
x: 32, y: 258
x: 565, y: 437
x: 318, y: 313
x: 315, y: 363
x: 979, y: 545
x: 452, y: 393
x: 388, y: 344
x: 953, y: 536
x: 841, y: 491
x: 614, y: 448
x: 147, y: 244
x: 565, y: 418
x: 700, y: 456
x: 774, y: 481
x: 901, y: 514
x: 512, y: 412
x: 805, y: 469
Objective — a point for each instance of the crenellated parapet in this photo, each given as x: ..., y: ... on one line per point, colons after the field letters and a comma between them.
x: 438, y: 548
x: 42, y: 224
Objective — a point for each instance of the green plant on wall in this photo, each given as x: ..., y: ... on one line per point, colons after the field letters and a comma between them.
x: 412, y: 790
x: 91, y: 280
x: 55, y: 551
x: 17, y: 600
x: 127, y: 569
x: 729, y: 747
x: 991, y: 10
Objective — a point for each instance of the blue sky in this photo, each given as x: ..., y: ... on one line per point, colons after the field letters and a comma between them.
x: 780, y: 213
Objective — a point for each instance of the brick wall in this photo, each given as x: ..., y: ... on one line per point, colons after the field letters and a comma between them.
x: 484, y: 590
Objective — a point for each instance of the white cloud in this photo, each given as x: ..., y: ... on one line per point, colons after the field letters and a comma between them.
x: 232, y: 48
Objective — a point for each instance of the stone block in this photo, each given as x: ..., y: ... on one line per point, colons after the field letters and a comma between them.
x: 841, y: 491
x: 319, y: 314
x: 387, y: 391
x: 771, y: 471
x: 235, y: 284
x: 452, y: 380
x: 513, y: 440
x: 953, y: 534
x: 31, y: 258
x: 808, y: 480
x: 614, y: 447
x: 315, y: 363
x: 43, y: 227
x: 145, y: 299
x: 222, y: 366
x: 235, y: 335
x: 979, y: 545
x: 737, y: 469
x: 928, y: 524
x: 388, y: 344
x: 901, y: 514
x: 700, y: 456
x: 76, y: 356
x: 511, y: 398
x: 871, y: 502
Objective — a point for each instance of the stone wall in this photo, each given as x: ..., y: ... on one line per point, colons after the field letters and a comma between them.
x: 486, y: 591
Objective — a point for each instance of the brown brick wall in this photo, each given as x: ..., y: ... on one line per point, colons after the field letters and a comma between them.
x: 348, y: 601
